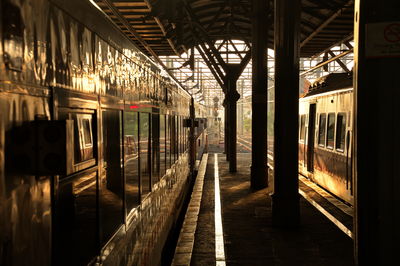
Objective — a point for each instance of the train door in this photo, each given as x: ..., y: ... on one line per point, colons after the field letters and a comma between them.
x: 155, y: 148
x: 111, y: 182
x: 131, y: 166
x: 349, y: 164
x: 145, y: 153
x: 310, y: 138
x: 75, y: 194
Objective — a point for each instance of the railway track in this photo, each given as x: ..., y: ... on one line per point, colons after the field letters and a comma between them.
x: 244, y: 143
x: 334, y: 209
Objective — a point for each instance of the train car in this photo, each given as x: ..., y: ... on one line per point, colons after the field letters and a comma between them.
x: 94, y: 160
x: 201, y: 124
x: 325, y: 133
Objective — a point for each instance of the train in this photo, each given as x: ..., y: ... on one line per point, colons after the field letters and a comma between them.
x: 98, y: 144
x: 325, y: 134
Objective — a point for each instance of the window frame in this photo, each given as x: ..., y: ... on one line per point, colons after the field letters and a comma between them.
x: 344, y: 115
x: 144, y: 155
x: 86, y: 120
x: 302, y: 128
x: 131, y: 206
x: 323, y: 142
x: 163, y: 145
x: 327, y: 145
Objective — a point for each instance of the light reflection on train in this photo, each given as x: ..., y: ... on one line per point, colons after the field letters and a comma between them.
x: 94, y: 140
x: 325, y: 133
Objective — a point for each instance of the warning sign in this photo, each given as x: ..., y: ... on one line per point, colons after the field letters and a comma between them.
x: 392, y: 32
x: 382, y: 39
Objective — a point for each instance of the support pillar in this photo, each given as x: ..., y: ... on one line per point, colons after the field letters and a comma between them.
x: 232, y: 96
x: 240, y: 111
x: 285, y: 200
x: 375, y: 132
x: 259, y: 159
x: 226, y: 128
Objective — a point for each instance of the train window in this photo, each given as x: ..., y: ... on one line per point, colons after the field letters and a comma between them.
x: 302, y: 127
x: 187, y: 138
x: 173, y: 139
x: 178, y: 139
x: 340, y: 131
x: 321, y: 131
x: 168, y: 141
x: 144, y: 155
x: 87, y: 132
x: 83, y: 137
x: 162, y: 146
x: 299, y: 124
x: 330, y: 138
x: 184, y: 138
x: 176, y: 144
x: 185, y: 130
x: 131, y: 169
x: 111, y: 180
x: 155, y: 148
x: 182, y: 135
x: 75, y: 218
x: 178, y: 136
x: 84, y: 146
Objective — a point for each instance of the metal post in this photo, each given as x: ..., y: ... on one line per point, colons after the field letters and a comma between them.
x: 285, y: 200
x: 375, y: 132
x: 241, y: 106
x: 232, y: 97
x: 226, y: 127
x: 259, y: 168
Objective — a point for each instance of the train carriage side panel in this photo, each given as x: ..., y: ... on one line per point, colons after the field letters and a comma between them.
x: 25, y: 216
x: 331, y: 153
x: 86, y: 62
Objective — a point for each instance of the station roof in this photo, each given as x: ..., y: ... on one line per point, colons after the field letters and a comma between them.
x: 169, y: 27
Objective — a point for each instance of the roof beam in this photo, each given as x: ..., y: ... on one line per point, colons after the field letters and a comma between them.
x: 236, y: 50
x: 341, y: 64
x: 326, y: 62
x: 194, y: 21
x: 216, y: 76
x: 326, y: 23
x: 212, y: 61
x: 344, y: 40
x: 162, y: 28
x: 215, y: 18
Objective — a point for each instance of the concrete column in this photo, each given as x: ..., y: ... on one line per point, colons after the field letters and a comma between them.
x: 285, y: 200
x: 259, y: 168
x: 376, y: 133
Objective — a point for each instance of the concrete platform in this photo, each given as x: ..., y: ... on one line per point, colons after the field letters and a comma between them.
x: 249, y: 238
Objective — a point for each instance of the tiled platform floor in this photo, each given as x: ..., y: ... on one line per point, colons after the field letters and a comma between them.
x: 249, y: 236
